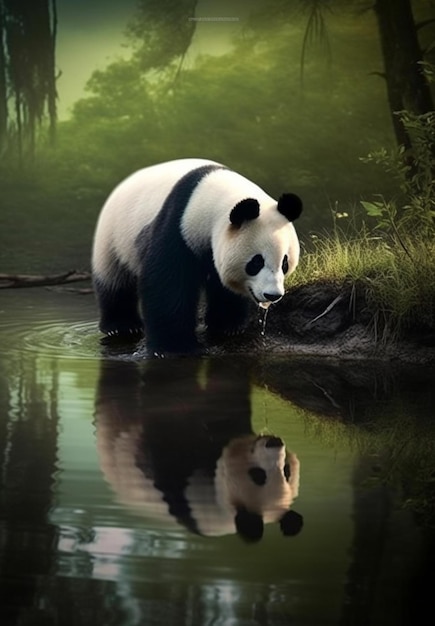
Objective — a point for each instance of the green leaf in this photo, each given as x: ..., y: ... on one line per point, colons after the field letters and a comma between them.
x: 373, y: 209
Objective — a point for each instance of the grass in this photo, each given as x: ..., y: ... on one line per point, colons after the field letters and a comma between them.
x: 398, y: 282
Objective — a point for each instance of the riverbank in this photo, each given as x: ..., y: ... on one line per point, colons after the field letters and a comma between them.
x: 336, y: 320
x: 359, y: 295
x: 332, y: 319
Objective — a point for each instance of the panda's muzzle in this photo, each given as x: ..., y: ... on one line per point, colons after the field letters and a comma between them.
x: 269, y: 298
x: 270, y: 441
x: 274, y: 442
x: 272, y: 297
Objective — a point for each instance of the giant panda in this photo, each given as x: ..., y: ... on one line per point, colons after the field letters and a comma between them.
x: 172, y: 231
x: 176, y: 445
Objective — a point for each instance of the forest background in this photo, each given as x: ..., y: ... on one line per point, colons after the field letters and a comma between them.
x: 298, y: 95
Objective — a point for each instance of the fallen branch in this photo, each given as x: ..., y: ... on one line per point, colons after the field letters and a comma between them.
x: 81, y: 291
x: 18, y: 281
x: 328, y: 308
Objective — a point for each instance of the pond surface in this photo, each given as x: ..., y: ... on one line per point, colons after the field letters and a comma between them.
x: 141, y: 492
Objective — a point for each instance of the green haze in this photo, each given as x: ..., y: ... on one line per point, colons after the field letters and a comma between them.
x: 225, y: 86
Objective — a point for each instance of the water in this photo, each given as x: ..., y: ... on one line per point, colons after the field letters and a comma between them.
x: 263, y: 319
x: 86, y: 537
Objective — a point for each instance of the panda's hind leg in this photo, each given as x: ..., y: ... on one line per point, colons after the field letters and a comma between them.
x: 118, y: 302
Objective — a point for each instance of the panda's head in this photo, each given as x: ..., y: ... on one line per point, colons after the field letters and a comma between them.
x: 256, y: 481
x: 258, y: 247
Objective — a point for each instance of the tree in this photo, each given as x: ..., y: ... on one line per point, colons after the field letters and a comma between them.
x: 162, y: 31
x: 27, y: 71
x: 407, y: 86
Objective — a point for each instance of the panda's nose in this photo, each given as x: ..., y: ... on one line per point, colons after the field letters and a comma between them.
x: 274, y: 442
x: 272, y: 297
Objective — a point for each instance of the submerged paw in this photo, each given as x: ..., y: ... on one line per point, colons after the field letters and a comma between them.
x: 124, y: 332
x: 221, y: 334
x: 234, y: 332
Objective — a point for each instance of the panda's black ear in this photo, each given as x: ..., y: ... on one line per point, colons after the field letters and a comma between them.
x: 290, y: 205
x: 247, y: 209
x: 291, y: 523
x: 249, y: 525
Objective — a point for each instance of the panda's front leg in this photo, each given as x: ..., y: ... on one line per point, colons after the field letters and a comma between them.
x: 227, y: 313
x: 169, y: 303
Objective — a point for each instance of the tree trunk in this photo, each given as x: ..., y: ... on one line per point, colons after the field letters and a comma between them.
x: 28, y: 34
x: 407, y: 87
x: 52, y: 91
x: 3, y: 87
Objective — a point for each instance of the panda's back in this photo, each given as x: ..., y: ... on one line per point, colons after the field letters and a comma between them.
x: 134, y: 204
x: 140, y: 197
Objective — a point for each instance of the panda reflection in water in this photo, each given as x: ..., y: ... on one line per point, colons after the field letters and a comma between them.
x: 174, y: 230
x: 175, y: 450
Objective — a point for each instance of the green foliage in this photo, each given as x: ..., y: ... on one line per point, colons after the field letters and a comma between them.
x: 162, y: 31
x: 316, y: 32
x: 399, y: 287
x: 413, y: 208
x: 243, y: 108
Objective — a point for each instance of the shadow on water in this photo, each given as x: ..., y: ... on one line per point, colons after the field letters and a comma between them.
x: 127, y: 489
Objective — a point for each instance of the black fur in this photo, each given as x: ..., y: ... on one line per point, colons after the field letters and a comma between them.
x: 226, y: 312
x: 290, y: 205
x: 291, y: 523
x: 182, y: 428
x: 167, y: 288
x: 255, y: 265
x: 169, y: 283
x: 258, y: 476
x: 118, y: 303
x: 249, y: 525
x: 172, y: 278
x: 247, y: 209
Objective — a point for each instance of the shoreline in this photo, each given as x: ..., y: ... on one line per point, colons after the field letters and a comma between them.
x: 328, y: 320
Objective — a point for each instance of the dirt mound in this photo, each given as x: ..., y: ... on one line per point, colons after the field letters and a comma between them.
x: 325, y: 319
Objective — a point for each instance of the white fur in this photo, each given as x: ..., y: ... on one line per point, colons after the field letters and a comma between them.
x: 137, y: 200
x: 213, y: 502
x: 234, y: 486
x: 206, y: 222
x: 133, y: 204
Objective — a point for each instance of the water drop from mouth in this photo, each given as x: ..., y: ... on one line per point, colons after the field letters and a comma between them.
x: 263, y: 318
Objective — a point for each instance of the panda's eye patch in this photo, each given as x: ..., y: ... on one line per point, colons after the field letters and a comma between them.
x: 285, y: 265
x: 255, y: 265
x: 287, y: 471
x: 258, y: 476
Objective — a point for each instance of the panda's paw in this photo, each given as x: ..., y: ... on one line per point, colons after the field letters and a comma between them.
x: 226, y: 332
x: 232, y: 333
x: 177, y: 351
x: 122, y: 332
x: 226, y: 336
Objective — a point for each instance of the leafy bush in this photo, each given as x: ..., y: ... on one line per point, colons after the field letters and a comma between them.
x: 413, y: 209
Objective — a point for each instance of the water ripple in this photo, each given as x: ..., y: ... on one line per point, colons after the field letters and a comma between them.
x: 49, y: 333
x: 76, y: 340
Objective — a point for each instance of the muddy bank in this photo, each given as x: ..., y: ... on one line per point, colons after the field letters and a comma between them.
x: 331, y: 321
